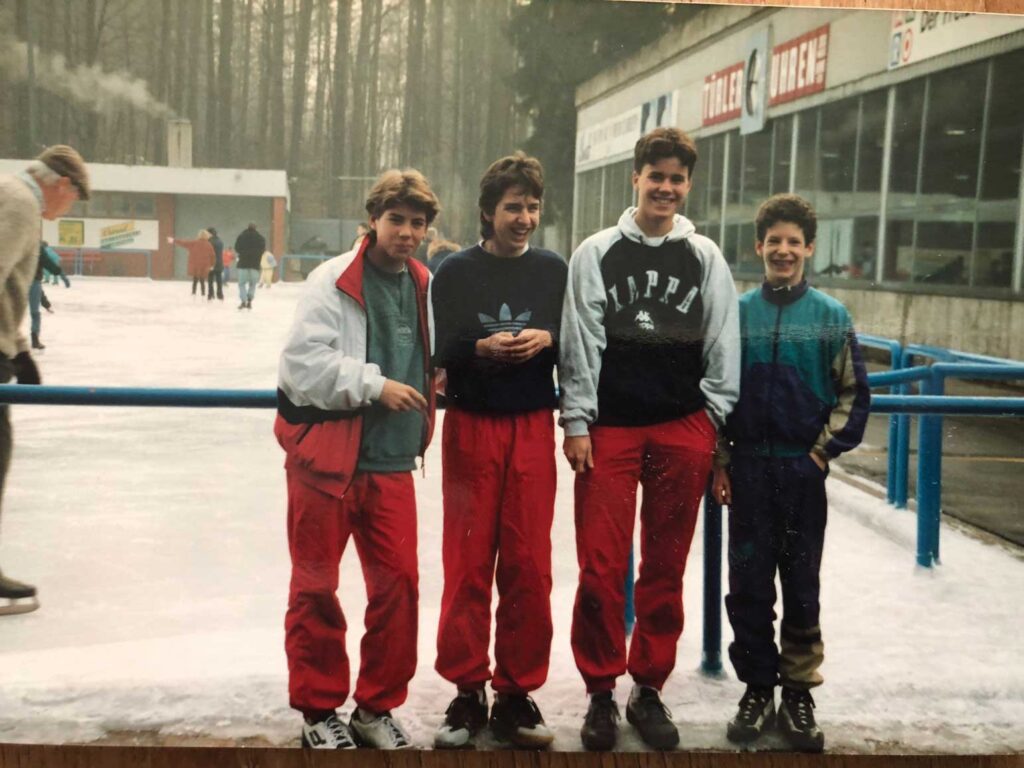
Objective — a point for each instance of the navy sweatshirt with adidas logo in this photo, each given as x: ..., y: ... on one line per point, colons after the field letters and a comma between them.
x: 476, y: 294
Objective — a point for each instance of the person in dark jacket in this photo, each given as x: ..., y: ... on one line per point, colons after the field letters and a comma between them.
x: 249, y: 246
x: 218, y: 265
x: 498, y: 306
x: 804, y: 400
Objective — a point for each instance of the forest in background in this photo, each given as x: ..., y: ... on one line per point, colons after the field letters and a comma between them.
x: 333, y: 91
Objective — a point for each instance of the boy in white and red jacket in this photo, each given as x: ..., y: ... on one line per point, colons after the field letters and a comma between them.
x: 355, y: 409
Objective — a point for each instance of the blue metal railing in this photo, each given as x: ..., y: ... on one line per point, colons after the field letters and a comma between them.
x: 932, y: 406
x: 895, y: 350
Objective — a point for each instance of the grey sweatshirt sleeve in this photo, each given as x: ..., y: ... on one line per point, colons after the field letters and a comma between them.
x: 721, y: 330
x: 582, y: 334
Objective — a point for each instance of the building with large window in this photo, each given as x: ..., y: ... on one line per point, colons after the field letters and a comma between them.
x: 905, y: 130
x: 122, y: 229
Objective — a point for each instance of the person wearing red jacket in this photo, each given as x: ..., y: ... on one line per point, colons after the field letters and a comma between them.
x: 355, y: 409
x: 201, y: 257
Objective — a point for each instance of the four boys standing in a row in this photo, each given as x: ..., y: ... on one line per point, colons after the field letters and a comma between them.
x: 646, y: 331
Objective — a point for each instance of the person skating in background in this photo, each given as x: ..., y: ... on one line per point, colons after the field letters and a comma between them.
x: 200, y: 258
x: 217, y: 273
x: 362, y: 230
x: 497, y: 307
x: 355, y: 409
x: 649, y: 370
x: 49, y: 262
x: 249, y: 246
x: 804, y: 400
x: 267, y: 265
x: 47, y: 188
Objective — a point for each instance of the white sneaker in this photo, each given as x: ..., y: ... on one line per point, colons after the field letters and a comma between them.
x: 329, y: 733
x: 378, y: 731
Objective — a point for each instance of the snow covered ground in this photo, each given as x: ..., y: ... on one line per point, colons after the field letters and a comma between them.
x: 156, y: 537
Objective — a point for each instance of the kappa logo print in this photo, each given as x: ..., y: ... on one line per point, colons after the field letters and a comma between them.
x: 643, y: 320
x: 505, y: 322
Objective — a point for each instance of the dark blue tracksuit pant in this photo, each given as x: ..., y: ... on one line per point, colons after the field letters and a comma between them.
x: 776, y: 523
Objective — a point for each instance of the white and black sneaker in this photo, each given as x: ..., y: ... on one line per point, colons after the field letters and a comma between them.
x: 465, y: 717
x: 380, y: 731
x: 796, y: 721
x: 516, y: 720
x: 755, y: 714
x: 326, y: 733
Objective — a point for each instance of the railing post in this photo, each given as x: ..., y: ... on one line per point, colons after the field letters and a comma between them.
x: 711, y: 656
x: 895, y: 364
x: 630, y: 606
x: 929, y: 478
x: 902, y: 442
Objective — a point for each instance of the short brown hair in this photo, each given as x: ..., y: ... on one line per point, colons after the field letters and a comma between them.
x: 790, y: 208
x: 661, y: 143
x: 515, y: 170
x: 408, y: 187
x: 65, y: 161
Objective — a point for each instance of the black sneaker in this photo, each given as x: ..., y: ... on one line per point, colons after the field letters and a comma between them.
x: 646, y: 712
x: 756, y: 713
x: 796, y: 721
x: 600, y: 728
x: 516, y: 720
x: 464, y: 718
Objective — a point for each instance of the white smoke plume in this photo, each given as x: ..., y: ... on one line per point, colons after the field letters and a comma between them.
x: 90, y: 87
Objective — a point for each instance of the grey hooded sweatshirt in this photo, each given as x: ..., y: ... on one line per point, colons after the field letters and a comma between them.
x: 650, y: 329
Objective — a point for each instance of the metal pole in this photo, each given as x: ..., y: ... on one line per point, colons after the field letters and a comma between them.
x: 929, y: 478
x: 711, y: 657
x: 902, y: 443
x: 630, y: 606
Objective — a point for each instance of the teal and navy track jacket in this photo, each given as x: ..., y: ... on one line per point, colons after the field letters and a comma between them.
x: 803, y: 384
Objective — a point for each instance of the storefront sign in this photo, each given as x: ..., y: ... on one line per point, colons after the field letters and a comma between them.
x: 920, y: 35
x: 722, y: 98
x: 608, y: 138
x: 754, y: 85
x: 108, y: 234
x: 70, y: 233
x: 798, y: 67
x: 618, y: 134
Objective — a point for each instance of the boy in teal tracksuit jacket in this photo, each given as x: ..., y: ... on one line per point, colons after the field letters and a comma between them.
x: 804, y: 400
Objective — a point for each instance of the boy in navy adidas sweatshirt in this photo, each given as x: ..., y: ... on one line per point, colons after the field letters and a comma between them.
x: 804, y: 400
x: 649, y: 371
x: 496, y: 308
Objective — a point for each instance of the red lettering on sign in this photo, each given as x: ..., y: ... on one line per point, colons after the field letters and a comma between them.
x: 798, y: 66
x: 722, y: 95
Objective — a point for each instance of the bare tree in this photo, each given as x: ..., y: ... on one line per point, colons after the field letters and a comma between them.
x: 299, y: 88
x: 276, y: 68
x: 339, y: 107
x: 225, y: 83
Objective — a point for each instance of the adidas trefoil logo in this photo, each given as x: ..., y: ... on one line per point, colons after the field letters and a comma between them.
x: 505, y: 321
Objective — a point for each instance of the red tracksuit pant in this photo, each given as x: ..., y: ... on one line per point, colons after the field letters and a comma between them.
x: 498, y: 481
x: 671, y: 461
x: 379, y: 513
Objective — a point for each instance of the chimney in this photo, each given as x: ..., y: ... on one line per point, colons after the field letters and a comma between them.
x: 179, y: 143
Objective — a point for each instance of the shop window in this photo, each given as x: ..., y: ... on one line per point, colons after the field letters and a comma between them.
x: 782, y: 153
x: 697, y: 201
x: 144, y: 207
x: 618, y: 191
x: 864, y: 257
x: 993, y: 260
x: 712, y: 176
x: 99, y: 205
x: 588, y: 204
x: 871, y: 142
x: 807, y: 154
x: 942, y: 254
x: 899, y: 249
x: 757, y: 163
x: 120, y: 206
x: 956, y: 100
x: 1002, y: 166
x: 735, y: 164
x: 906, y: 137
x: 837, y: 145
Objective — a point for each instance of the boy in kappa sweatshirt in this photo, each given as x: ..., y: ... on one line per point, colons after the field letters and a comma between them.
x: 649, y: 370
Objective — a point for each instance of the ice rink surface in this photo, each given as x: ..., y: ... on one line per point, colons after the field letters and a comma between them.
x: 156, y: 537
